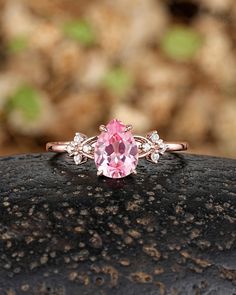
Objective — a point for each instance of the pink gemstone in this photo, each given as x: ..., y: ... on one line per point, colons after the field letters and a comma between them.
x: 116, y: 152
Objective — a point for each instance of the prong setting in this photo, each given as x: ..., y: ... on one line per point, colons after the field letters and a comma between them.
x: 102, y: 128
x: 99, y: 173
x: 128, y: 128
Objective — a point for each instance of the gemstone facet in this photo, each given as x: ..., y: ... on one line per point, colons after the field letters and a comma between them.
x: 154, y: 137
x: 155, y: 156
x: 146, y: 147
x: 78, y: 138
x: 72, y: 148
x: 116, y: 152
x: 78, y: 159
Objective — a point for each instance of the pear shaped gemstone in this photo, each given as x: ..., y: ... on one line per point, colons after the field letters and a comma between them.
x: 116, y: 152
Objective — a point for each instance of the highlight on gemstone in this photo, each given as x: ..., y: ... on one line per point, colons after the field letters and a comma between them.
x: 116, y: 152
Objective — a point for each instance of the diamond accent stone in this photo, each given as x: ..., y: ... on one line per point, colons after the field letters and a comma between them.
x: 154, y: 137
x: 78, y: 137
x: 116, y: 151
x: 78, y: 159
x: 87, y: 148
x: 155, y: 156
x: 161, y: 146
x: 72, y: 148
x: 146, y: 147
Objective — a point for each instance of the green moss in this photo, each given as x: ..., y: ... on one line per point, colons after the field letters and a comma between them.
x: 118, y: 80
x: 81, y: 31
x: 18, y: 44
x: 26, y: 99
x: 181, y: 43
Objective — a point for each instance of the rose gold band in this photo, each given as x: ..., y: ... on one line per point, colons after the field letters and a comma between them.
x: 57, y: 147
x: 176, y: 146
x: 60, y: 147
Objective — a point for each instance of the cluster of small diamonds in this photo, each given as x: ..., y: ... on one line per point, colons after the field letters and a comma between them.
x: 156, y: 146
x: 73, y: 148
x: 152, y: 146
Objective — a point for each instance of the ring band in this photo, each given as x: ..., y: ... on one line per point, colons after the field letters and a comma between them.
x: 61, y: 147
x: 116, y: 151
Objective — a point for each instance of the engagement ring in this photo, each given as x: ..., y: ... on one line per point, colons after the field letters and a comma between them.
x: 116, y: 150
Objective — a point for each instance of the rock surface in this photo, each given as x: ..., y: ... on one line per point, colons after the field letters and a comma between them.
x: 170, y: 229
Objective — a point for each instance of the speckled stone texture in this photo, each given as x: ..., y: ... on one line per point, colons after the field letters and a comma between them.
x: 170, y: 229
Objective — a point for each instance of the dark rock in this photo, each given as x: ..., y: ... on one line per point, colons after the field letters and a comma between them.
x: 170, y: 229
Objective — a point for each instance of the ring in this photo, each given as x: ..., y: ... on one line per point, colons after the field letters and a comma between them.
x: 116, y: 150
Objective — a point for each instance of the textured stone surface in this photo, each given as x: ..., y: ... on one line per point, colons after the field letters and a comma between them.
x: 168, y: 230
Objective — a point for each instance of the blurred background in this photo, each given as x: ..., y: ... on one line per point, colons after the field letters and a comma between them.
x: 70, y: 65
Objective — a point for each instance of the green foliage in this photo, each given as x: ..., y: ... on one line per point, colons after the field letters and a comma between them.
x: 181, y: 43
x: 17, y: 44
x: 26, y: 99
x: 118, y: 80
x: 80, y: 31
